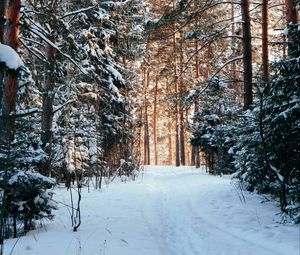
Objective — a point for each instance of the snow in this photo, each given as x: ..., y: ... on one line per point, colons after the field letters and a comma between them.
x: 26, y: 112
x: 192, y: 93
x: 285, y: 31
x: 10, y: 57
x: 29, y: 174
x: 117, y: 76
x: 231, y: 151
x: 277, y: 171
x: 167, y: 211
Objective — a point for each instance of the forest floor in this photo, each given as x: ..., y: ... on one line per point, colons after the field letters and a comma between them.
x: 166, y: 211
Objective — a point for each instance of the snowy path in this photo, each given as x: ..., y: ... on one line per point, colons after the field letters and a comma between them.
x: 168, y: 212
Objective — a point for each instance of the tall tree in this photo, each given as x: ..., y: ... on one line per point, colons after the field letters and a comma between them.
x: 291, y: 14
x: 265, y: 48
x: 180, y: 98
x: 146, y: 78
x: 247, y: 54
x: 48, y: 96
x: 9, y: 34
x: 155, y: 121
x: 195, y: 160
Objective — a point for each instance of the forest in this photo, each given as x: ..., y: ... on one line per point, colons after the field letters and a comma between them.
x: 96, y: 90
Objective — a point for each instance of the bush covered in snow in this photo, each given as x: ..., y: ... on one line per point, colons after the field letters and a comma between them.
x: 26, y: 198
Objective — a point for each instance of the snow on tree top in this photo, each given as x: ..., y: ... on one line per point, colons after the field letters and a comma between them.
x: 10, y: 57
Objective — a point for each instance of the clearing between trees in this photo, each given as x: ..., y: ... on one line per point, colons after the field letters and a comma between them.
x: 167, y: 211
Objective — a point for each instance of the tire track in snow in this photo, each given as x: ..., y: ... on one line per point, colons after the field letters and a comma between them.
x: 204, y: 223
x: 149, y: 211
x: 172, y: 237
x: 181, y: 227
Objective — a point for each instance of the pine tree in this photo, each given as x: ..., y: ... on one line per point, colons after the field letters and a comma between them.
x: 212, y: 126
x: 267, y: 157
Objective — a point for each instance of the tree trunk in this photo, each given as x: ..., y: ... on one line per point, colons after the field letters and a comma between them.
x: 181, y: 113
x: 47, y: 115
x: 170, y: 150
x: 170, y: 146
x: 197, y: 157
x: 2, y: 18
x: 140, y: 135
x: 195, y: 148
x: 177, y: 153
x: 146, y: 121
x: 265, y: 52
x: 11, y: 32
x: 193, y: 155
x: 9, y: 35
x: 247, y: 54
x: 233, y: 45
x: 291, y: 19
x: 283, y: 37
x: 181, y: 136
x: 291, y: 12
x: 209, y: 57
x: 155, y: 121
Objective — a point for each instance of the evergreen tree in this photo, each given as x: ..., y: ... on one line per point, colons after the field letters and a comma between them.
x: 212, y: 128
x: 267, y: 156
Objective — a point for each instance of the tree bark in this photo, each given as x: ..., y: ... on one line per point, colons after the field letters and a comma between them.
x: 265, y: 51
x: 193, y: 155
x: 181, y: 113
x: 177, y: 154
x: 170, y: 149
x: 47, y: 115
x: 2, y: 18
x: 9, y: 35
x: 291, y: 12
x: 146, y: 121
x: 247, y: 55
x: 177, y: 144
x: 170, y: 145
x: 233, y: 45
x: 291, y: 19
x: 155, y: 121
x: 195, y: 148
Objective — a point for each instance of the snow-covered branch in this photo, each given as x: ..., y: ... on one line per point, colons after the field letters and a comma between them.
x: 224, y: 65
x: 197, y: 93
x: 37, y: 54
x: 23, y: 113
x: 53, y: 45
x: 62, y: 106
x: 78, y: 11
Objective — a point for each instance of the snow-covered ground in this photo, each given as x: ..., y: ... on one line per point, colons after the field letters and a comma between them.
x: 167, y: 211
